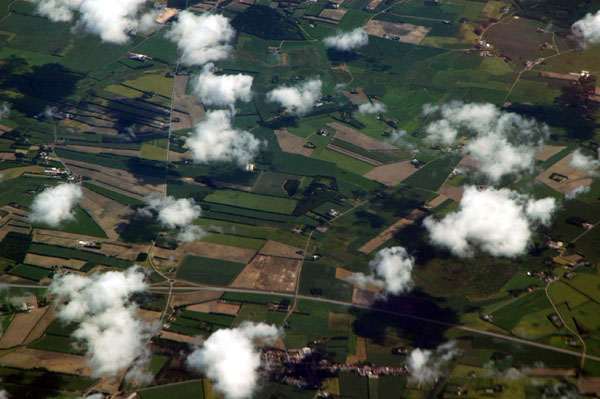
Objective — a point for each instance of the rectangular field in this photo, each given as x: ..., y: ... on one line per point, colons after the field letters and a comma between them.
x: 252, y: 201
x: 208, y: 270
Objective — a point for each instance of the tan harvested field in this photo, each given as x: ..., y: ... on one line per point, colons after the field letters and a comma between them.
x: 179, y: 156
x: 276, y: 248
x: 215, y: 307
x: 41, y: 325
x: 575, y: 177
x: 139, y: 184
x: 16, y: 172
x: 333, y: 14
x: 561, y: 76
x: 111, y: 384
x: 8, y: 156
x: 20, y: 327
x: 548, y: 372
x: 364, y: 297
x: 374, y: 4
x: 388, y: 233
x: 186, y: 103
x: 103, y: 150
x: 27, y: 358
x: 107, y: 213
x: 451, y: 192
x: 190, y: 298
x: 353, y: 155
x: 49, y: 261
x: 269, y: 273
x: 361, y: 351
x: 339, y: 321
x: 437, y: 201
x: 291, y: 143
x: 181, y: 338
x: 589, y: 385
x: 149, y: 316
x: 185, y: 122
x: 407, y: 33
x: 206, y: 249
x: 106, y: 131
x: 468, y: 162
x: 545, y: 152
x: 359, y: 139
x: 359, y: 98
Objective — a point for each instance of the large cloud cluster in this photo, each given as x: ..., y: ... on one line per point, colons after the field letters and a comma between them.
x: 502, y: 143
x: 215, y: 139
x: 589, y: 27
x: 347, y: 41
x: 178, y: 213
x: 297, y: 100
x: 55, y: 204
x: 230, y: 358
x: 499, y: 222
x: 392, y: 268
x: 114, y: 336
x: 222, y: 90
x: 202, y: 38
x: 584, y: 162
x: 427, y: 366
x: 110, y: 19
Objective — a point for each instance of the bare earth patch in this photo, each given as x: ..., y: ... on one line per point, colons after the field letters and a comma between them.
x: 451, y: 192
x: 437, y: 201
x: 180, y: 337
x: 205, y: 249
x: 391, y: 174
x: 276, y: 248
x: 269, y: 273
x: 189, y: 298
x: 575, y: 177
x: 357, y: 98
x: 20, y: 327
x: 545, y: 152
x: 359, y: 139
x: 41, y: 326
x: 291, y: 143
x: 407, y: 33
x: 215, y: 307
x: 108, y: 214
x: 27, y: 358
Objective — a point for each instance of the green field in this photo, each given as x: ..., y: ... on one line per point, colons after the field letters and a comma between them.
x: 208, y: 270
x: 120, y: 198
x: 252, y: 201
x: 183, y: 390
x: 30, y: 272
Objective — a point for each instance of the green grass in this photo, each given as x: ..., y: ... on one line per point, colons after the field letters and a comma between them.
x: 184, y: 390
x: 508, y: 316
x: 155, y: 150
x: 30, y: 272
x: 562, y: 293
x: 81, y: 224
x: 234, y: 241
x: 251, y: 312
x: 252, y: 201
x: 113, y: 195
x: 208, y: 270
x: 271, y: 183
x: 432, y: 176
x: 57, y: 343
x: 32, y: 378
x: 157, y: 83
x: 353, y: 19
x: 319, y: 280
x: 343, y: 161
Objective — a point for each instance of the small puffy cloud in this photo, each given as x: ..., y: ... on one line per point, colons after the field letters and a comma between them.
x: 371, y: 108
x: 392, y: 268
x: 589, y: 27
x: 114, y: 336
x: 215, y: 139
x: 109, y: 19
x: 230, y: 357
x: 222, y: 90
x: 577, y: 191
x: 502, y: 143
x: 399, y: 138
x: 202, y: 38
x: 347, y: 41
x: 175, y: 212
x: 4, y: 394
x: 4, y: 110
x: 297, y: 100
x: 499, y: 222
x: 93, y: 396
x: 55, y: 204
x: 584, y: 162
x: 190, y: 233
x: 427, y: 366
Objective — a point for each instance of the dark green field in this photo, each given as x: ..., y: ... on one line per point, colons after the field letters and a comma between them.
x: 208, y: 270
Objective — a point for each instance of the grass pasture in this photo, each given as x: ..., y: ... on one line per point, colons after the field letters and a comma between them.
x: 155, y: 83
x: 271, y: 183
x: 208, y: 270
x: 184, y: 390
x: 30, y: 272
x: 113, y: 195
x: 509, y: 316
x: 252, y: 201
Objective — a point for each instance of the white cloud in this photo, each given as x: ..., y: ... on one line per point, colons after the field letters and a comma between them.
x: 222, y: 90
x: 577, y: 191
x: 201, y: 38
x: 230, y: 358
x: 371, y: 108
x: 55, y: 204
x: 297, y: 100
x: 215, y: 139
x: 4, y: 394
x: 110, y: 19
x: 175, y: 212
x: 427, y: 366
x: 499, y: 222
x: 399, y: 139
x: 94, y: 396
x: 115, y: 338
x: 502, y: 143
x: 584, y: 162
x: 347, y: 41
x: 4, y: 110
x: 392, y: 268
x: 589, y: 27
x: 190, y: 233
